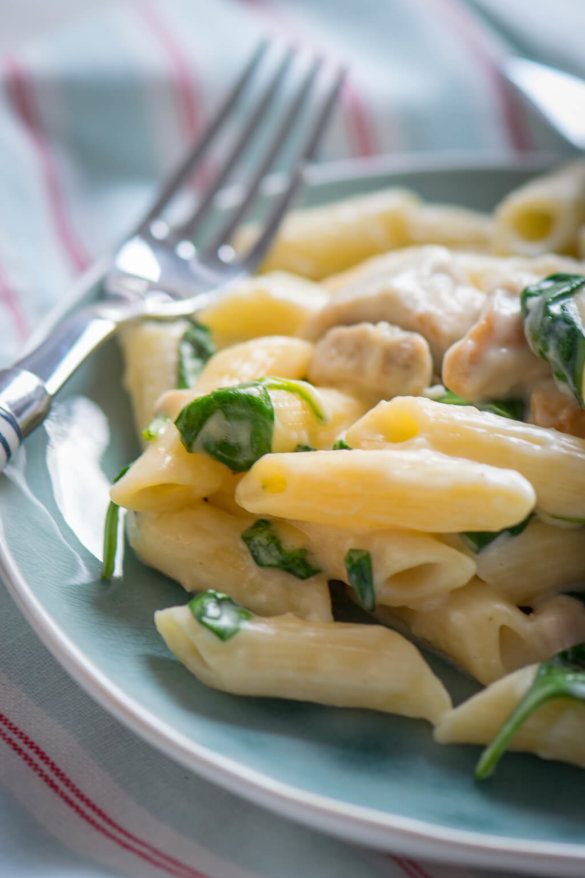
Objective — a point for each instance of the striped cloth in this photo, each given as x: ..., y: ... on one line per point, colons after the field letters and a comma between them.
x: 90, y: 120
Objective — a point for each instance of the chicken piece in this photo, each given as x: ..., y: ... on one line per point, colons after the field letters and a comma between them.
x: 550, y: 407
x: 493, y: 359
x: 421, y: 289
x: 374, y: 361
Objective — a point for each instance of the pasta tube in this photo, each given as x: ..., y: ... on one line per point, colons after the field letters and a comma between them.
x: 544, y: 215
x: 319, y: 241
x: 151, y: 353
x: 416, y: 489
x: 449, y: 226
x: 488, y: 636
x: 408, y: 568
x: 272, y: 355
x: 201, y: 546
x: 345, y: 665
x: 270, y: 304
x: 553, y: 462
x: 542, y: 558
x: 166, y: 476
x: 554, y: 731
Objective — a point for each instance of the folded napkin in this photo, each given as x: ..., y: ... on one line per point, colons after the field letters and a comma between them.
x: 90, y: 121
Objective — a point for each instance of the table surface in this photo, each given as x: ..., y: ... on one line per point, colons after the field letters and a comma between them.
x: 23, y: 20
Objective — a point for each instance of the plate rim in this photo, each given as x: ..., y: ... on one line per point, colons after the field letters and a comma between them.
x: 355, y: 823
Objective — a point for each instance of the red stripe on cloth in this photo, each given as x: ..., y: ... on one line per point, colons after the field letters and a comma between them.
x: 409, y: 867
x: 359, y: 123
x: 471, y: 32
x: 20, y: 90
x: 129, y: 841
x: 189, y: 98
x: 10, y: 301
x: 418, y: 870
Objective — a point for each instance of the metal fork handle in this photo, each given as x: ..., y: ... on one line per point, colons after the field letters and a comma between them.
x: 24, y: 403
x: 27, y: 387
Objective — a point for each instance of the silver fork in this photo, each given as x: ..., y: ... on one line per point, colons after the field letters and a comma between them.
x: 158, y: 272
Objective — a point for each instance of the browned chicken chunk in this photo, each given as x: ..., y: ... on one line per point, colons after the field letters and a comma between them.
x: 374, y: 361
x: 422, y: 290
x: 550, y: 407
x: 493, y: 359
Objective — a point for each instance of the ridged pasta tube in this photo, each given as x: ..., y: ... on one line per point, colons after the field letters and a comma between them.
x: 553, y: 462
x: 408, y: 568
x: 416, y: 489
x: 202, y: 546
x: 543, y: 558
x: 488, y: 636
x: 341, y: 664
x: 270, y: 304
x: 166, y: 476
x: 320, y: 241
x: 554, y: 731
x: 544, y: 215
x: 151, y: 355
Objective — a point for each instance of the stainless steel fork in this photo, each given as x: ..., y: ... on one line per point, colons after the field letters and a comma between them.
x: 159, y: 271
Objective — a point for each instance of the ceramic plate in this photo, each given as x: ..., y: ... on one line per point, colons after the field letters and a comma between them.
x: 371, y: 778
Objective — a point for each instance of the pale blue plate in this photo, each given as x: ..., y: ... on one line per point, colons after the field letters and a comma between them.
x: 370, y: 778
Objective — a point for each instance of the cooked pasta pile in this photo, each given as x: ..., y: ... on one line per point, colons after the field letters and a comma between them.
x: 396, y: 404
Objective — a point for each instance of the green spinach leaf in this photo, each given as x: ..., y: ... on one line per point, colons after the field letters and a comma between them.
x: 358, y: 563
x: 195, y: 349
x: 303, y: 389
x: 554, y: 329
x: 479, y: 539
x: 219, y: 613
x: 155, y: 427
x: 232, y: 424
x: 578, y: 522
x: 110, y: 542
x: 235, y: 424
x: 576, y: 595
x: 267, y: 550
x: 562, y: 676
x: 506, y: 408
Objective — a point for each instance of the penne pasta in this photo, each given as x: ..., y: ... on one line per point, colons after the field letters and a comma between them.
x: 554, y: 731
x: 151, y: 355
x: 166, y: 476
x: 489, y: 636
x: 542, y: 558
x: 552, y: 462
x: 247, y: 361
x: 450, y: 226
x: 321, y: 241
x: 342, y: 664
x: 201, y: 546
x: 544, y: 215
x: 270, y: 304
x: 409, y: 569
x: 421, y: 490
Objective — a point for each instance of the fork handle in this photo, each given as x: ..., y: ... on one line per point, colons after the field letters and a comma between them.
x: 27, y: 388
x: 24, y: 403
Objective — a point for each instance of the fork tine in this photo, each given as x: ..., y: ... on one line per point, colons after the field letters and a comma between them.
x: 188, y: 228
x: 189, y: 164
x: 281, y: 204
x: 227, y: 229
